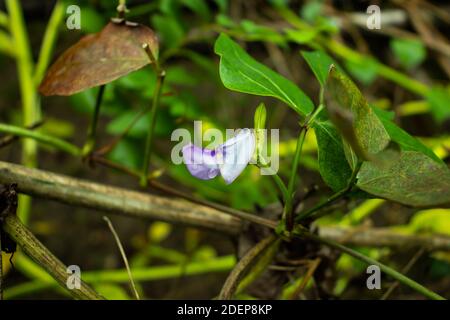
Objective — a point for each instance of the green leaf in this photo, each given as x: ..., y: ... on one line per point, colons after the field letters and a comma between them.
x: 320, y: 64
x: 260, y: 117
x: 438, y: 99
x: 259, y: 126
x: 333, y: 165
x: 350, y: 155
x: 240, y: 72
x: 400, y: 136
x: 414, y: 180
x: 409, y: 53
x: 353, y: 117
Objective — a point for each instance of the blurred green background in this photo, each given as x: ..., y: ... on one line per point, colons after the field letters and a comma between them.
x: 399, y: 68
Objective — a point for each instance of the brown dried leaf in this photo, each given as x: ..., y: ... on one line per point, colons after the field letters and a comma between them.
x: 100, y: 58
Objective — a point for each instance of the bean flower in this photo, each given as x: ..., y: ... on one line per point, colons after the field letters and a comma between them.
x: 228, y: 159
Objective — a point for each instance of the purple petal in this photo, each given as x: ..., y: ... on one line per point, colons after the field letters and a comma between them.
x: 237, y: 153
x: 200, y: 162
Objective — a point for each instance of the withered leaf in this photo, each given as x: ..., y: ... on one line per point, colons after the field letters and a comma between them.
x: 100, y: 58
x: 413, y: 179
x: 353, y: 117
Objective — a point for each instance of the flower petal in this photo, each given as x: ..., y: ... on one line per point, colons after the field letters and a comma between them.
x: 236, y: 153
x: 200, y: 162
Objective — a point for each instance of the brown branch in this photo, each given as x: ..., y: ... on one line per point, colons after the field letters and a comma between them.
x: 42, y: 256
x: 77, y: 192
x: 32, y: 247
x: 173, y: 192
x: 381, y: 237
x: 174, y: 210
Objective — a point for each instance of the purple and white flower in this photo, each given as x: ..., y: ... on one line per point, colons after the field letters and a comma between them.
x: 228, y: 159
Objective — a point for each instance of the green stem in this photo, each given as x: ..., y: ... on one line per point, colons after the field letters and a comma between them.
x: 90, y: 142
x: 160, y: 74
x: 321, y: 205
x: 288, y: 206
x: 284, y: 191
x: 122, y: 9
x: 220, y: 264
x: 7, y: 45
x: 386, y: 269
x: 333, y: 198
x: 124, y: 256
x: 4, y: 20
x: 42, y: 138
x: 30, y: 107
x: 278, y: 181
x: 48, y: 42
x: 351, y: 55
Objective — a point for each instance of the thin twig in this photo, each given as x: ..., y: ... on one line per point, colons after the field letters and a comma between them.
x: 160, y: 76
x: 92, y: 131
x: 162, y: 187
x: 124, y: 256
x: 405, y: 270
x: 108, y: 147
x: 243, y: 266
x: 386, y: 269
x: 338, y: 195
x: 288, y: 215
x: 119, y: 200
x: 312, y: 268
x: 82, y: 193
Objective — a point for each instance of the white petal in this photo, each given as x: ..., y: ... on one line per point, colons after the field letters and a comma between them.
x: 236, y: 153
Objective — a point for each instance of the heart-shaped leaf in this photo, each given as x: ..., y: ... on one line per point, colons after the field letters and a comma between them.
x: 100, y: 58
x: 240, y: 72
x: 413, y: 179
